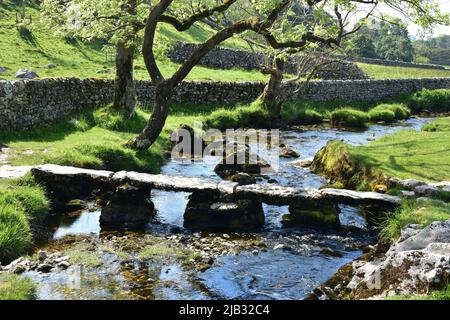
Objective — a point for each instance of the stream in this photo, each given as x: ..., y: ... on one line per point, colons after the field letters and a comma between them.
x: 274, y: 263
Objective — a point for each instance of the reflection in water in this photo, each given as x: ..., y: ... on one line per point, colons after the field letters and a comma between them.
x: 87, y: 222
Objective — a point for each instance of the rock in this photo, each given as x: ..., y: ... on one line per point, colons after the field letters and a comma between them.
x: 127, y: 215
x: 242, y: 178
x: 42, y: 255
x: 45, y: 267
x: 282, y: 247
x: 427, y: 190
x: 408, y: 194
x: 286, y: 152
x: 351, y: 197
x: 51, y: 66
x: 303, y: 163
x: 417, y: 263
x: 19, y: 269
x: 18, y: 266
x: 410, y: 184
x: 2, y: 69
x: 8, y: 171
x: 63, y: 265
x: 241, y: 159
x: 330, y: 252
x: 212, y: 214
x: 23, y: 73
x: 255, y: 252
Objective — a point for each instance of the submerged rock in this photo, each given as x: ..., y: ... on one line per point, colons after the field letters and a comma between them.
x: 287, y: 152
x: 312, y: 213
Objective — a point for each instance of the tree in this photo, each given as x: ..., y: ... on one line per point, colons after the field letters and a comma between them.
x: 117, y: 21
x: 268, y: 22
x: 393, y: 42
x: 361, y: 44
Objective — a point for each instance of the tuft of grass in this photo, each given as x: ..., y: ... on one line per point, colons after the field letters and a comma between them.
x: 380, y: 113
x: 401, y: 111
x: 348, y: 117
x: 82, y: 254
x: 422, y: 213
x: 15, y: 233
x: 223, y: 119
x: 430, y: 101
x: 14, y: 287
x: 293, y: 114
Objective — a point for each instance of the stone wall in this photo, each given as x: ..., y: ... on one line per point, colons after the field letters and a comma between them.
x: 29, y: 103
x: 225, y: 58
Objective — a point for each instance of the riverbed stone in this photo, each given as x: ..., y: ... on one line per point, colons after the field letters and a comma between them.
x: 287, y: 152
x: 303, y: 163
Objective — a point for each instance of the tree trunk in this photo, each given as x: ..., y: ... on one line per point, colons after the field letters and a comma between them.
x: 124, y: 91
x: 270, y: 98
x: 157, y: 120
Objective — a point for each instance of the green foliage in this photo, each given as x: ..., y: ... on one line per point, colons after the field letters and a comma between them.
x: 15, y: 234
x: 380, y: 113
x: 412, y: 212
x: 293, y: 114
x: 349, y: 118
x: 223, y: 119
x: 243, y: 116
x: 110, y: 119
x: 389, y: 112
x: 14, y: 287
x: 430, y: 101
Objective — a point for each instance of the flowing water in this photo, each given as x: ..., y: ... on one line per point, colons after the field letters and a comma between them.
x: 291, y: 264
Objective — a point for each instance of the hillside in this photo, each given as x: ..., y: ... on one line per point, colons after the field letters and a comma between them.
x: 39, y: 47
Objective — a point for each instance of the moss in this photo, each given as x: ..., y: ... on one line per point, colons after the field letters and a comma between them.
x: 14, y: 287
x: 83, y: 253
x: 380, y: 113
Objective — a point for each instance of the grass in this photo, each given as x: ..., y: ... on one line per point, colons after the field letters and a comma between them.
x: 388, y: 72
x: 14, y: 287
x: 22, y: 204
x: 412, y: 212
x: 441, y: 124
x: 348, y: 117
x: 38, y: 47
x: 293, y: 114
x: 408, y: 154
x: 389, y: 112
x: 443, y: 294
x: 81, y: 254
x: 430, y: 101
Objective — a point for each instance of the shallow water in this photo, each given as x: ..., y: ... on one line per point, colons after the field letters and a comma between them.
x: 266, y: 274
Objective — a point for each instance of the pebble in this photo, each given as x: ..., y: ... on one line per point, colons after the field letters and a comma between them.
x: 255, y: 252
x: 42, y: 255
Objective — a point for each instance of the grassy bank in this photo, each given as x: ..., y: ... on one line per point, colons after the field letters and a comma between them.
x: 422, y: 155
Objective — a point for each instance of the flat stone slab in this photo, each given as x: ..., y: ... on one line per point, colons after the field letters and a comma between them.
x: 276, y: 194
x: 12, y: 172
x: 165, y: 182
x: 352, y: 197
x: 57, y: 170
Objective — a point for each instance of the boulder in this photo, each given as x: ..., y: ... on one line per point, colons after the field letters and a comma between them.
x: 427, y: 190
x: 303, y: 163
x: 218, y: 215
x: 240, y: 159
x: 23, y: 73
x: 287, y: 152
x: 243, y: 178
x: 417, y: 263
x: 51, y: 65
x: 2, y: 69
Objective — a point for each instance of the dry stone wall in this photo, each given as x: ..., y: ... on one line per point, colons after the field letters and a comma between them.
x: 29, y: 103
